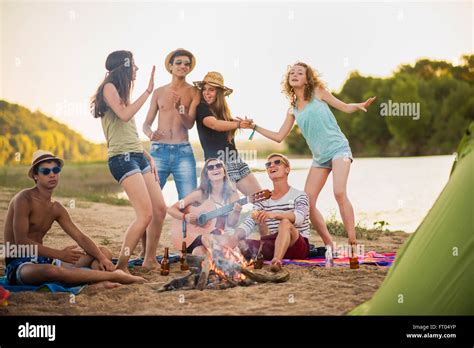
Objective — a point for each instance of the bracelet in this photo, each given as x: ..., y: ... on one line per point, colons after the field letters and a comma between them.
x: 253, y: 132
x: 148, y: 91
x: 238, y: 125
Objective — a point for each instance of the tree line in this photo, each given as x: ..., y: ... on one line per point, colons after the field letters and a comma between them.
x: 22, y: 132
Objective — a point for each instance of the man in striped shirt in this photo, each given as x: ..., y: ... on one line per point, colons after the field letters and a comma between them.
x: 283, y: 220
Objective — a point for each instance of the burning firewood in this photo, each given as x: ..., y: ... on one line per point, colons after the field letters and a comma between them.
x: 203, y: 277
x: 262, y: 276
x: 222, y: 268
x: 184, y: 283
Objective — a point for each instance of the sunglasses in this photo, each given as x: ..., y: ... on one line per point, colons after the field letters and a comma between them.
x: 46, y: 171
x: 215, y: 166
x: 276, y: 162
x: 185, y: 62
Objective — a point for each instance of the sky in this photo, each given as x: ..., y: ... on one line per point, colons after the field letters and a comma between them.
x: 53, y: 53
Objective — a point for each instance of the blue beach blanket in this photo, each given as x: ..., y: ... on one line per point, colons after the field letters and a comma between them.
x: 46, y: 287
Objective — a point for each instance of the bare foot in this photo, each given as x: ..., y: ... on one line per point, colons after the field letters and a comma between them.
x: 275, y: 266
x: 152, y: 264
x: 124, y: 278
x: 125, y: 270
x: 105, y: 285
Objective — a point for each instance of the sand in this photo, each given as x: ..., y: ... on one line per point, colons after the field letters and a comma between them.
x: 310, y: 290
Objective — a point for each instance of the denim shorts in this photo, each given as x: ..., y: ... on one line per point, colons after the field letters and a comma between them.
x: 344, y: 153
x: 125, y: 165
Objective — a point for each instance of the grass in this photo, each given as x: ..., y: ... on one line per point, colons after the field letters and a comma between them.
x: 85, y: 181
x: 336, y: 228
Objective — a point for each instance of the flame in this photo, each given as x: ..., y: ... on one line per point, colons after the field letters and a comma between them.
x: 233, y: 255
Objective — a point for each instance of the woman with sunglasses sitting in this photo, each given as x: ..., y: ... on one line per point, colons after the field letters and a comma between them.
x: 215, y: 188
x: 217, y: 128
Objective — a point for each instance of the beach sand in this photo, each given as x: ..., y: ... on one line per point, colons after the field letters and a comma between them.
x: 310, y: 290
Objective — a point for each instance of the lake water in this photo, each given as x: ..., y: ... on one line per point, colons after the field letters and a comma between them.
x: 398, y: 190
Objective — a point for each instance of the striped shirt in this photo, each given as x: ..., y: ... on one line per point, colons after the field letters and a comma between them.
x: 295, y: 201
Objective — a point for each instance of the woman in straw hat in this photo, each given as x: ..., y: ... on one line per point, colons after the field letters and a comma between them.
x: 129, y: 163
x: 217, y: 129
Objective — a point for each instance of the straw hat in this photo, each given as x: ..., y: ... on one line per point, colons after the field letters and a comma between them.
x: 168, y: 59
x: 214, y: 79
x: 41, y: 156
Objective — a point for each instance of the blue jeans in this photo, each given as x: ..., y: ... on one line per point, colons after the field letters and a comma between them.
x: 176, y: 159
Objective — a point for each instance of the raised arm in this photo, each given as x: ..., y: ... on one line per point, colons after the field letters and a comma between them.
x: 212, y: 122
x: 126, y: 112
x: 66, y: 223
x: 340, y: 105
x: 284, y: 129
x: 150, y: 116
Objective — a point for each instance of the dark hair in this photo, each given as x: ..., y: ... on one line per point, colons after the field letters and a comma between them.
x: 220, y: 109
x: 119, y: 65
x: 179, y: 53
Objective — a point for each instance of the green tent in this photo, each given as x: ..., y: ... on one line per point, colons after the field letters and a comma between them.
x: 433, y: 271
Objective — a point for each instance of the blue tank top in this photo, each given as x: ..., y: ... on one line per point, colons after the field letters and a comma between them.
x: 321, y: 131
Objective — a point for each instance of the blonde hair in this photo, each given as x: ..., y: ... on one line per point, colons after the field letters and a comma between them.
x: 312, y: 78
x: 284, y: 159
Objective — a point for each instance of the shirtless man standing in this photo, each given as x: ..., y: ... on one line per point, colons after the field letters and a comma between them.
x: 176, y: 103
x: 30, y: 215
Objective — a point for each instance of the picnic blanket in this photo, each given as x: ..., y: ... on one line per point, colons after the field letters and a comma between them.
x: 139, y: 261
x: 369, y: 258
x: 60, y: 287
x: 46, y: 287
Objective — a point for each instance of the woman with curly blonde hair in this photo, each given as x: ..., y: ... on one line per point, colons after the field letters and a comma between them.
x: 310, y: 102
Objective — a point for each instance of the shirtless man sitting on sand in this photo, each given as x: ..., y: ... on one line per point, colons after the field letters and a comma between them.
x: 30, y: 215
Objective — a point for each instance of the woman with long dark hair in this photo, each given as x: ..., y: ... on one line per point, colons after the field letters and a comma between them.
x: 216, y: 128
x: 129, y: 163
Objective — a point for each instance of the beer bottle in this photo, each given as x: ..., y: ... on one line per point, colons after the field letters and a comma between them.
x: 353, y: 260
x: 258, y: 262
x: 165, y: 263
x: 182, y: 260
x: 329, y: 262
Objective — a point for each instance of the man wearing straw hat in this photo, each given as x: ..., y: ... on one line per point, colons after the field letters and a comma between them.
x: 176, y: 105
x: 30, y: 215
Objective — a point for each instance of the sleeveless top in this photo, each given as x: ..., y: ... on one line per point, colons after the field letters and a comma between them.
x: 122, y: 137
x: 320, y: 130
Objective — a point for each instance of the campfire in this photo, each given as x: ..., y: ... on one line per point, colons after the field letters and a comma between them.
x: 222, y: 268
